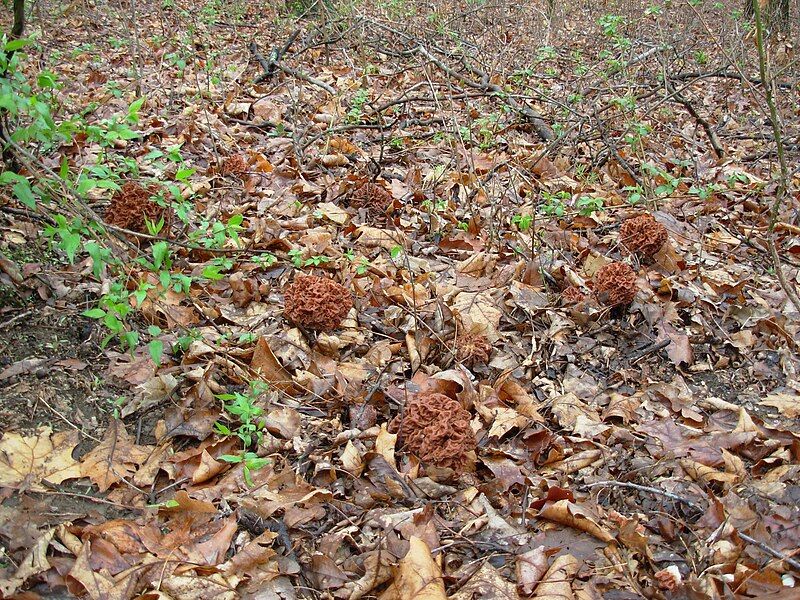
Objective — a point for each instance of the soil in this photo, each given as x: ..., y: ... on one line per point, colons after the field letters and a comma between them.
x: 55, y: 369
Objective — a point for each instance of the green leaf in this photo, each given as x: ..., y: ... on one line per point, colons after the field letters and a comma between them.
x: 113, y: 323
x: 94, y: 313
x: 156, y: 349
x: 160, y: 252
x: 257, y: 462
x: 154, y: 330
x: 14, y: 45
x: 212, y: 273
x: 69, y: 244
x: 133, y: 109
x: 230, y: 458
x: 184, y: 174
x: 131, y: 339
x: 23, y: 192
x: 164, y: 278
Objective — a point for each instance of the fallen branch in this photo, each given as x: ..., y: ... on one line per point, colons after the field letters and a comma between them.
x: 542, y: 129
x: 270, y: 65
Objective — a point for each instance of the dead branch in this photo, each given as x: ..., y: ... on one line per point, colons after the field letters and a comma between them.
x: 270, y: 65
x: 542, y: 129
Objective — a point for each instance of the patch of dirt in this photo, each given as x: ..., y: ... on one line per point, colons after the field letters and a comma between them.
x: 51, y: 374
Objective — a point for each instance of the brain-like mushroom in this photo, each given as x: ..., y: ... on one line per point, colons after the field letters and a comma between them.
x: 473, y: 349
x: 643, y: 235
x: 615, y: 284
x: 372, y: 197
x: 234, y: 165
x: 131, y: 207
x: 572, y: 295
x: 316, y: 303
x: 436, y: 428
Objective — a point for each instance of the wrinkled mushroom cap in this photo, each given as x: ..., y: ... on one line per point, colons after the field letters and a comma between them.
x: 234, y: 165
x: 131, y: 205
x: 572, y: 295
x: 316, y: 303
x: 436, y: 428
x: 371, y: 196
x: 473, y: 349
x: 643, y: 235
x: 615, y: 284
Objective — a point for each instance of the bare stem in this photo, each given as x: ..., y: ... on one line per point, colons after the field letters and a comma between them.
x: 784, y: 180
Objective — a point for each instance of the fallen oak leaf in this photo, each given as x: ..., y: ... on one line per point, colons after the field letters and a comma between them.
x: 787, y: 404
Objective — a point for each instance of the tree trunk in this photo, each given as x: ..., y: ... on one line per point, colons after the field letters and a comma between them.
x: 774, y: 12
x: 19, y: 20
x: 16, y: 32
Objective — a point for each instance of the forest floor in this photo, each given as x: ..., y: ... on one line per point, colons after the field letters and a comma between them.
x: 559, y: 361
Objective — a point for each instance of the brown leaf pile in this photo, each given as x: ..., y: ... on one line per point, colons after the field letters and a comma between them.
x: 316, y: 303
x: 131, y: 206
x: 436, y: 428
x: 615, y: 284
x: 643, y: 235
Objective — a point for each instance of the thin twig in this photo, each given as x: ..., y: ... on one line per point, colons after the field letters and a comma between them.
x: 795, y: 564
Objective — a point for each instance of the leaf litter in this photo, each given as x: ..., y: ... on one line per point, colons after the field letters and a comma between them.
x: 620, y: 419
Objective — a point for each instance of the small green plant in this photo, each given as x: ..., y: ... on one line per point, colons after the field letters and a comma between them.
x: 243, y: 409
x: 523, y: 222
x: 248, y: 337
x: 356, y: 111
x: 250, y: 462
x: 115, y: 404
x: 216, y: 269
x: 265, y: 260
x: 636, y: 133
x: 588, y: 205
x: 185, y: 340
x: 705, y: 192
x: 635, y: 193
x: 554, y: 204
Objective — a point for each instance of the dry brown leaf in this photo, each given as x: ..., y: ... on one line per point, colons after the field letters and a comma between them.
x: 27, y: 461
x: 487, y: 582
x: 478, y: 313
x: 787, y: 404
x: 265, y: 363
x: 417, y: 577
x: 34, y: 562
x: 556, y: 583
x: 283, y: 422
x: 385, y: 445
x: 117, y: 457
x: 575, y: 516
x: 530, y: 568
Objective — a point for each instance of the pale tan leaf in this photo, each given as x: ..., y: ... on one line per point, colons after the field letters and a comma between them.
x: 27, y: 461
